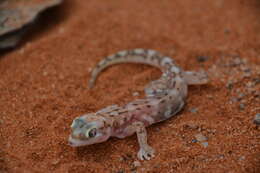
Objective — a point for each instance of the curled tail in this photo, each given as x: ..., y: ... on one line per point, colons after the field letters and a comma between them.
x: 143, y: 56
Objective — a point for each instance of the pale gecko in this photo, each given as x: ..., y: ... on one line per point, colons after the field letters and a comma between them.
x: 165, y: 97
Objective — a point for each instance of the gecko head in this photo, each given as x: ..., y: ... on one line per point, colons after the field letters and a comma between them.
x: 88, y: 129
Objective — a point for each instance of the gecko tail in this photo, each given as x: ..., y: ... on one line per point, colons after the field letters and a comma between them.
x: 142, y: 56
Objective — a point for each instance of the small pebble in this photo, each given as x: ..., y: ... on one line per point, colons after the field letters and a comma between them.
x: 234, y: 99
x: 241, y: 95
x: 137, y: 164
x: 246, y: 69
x: 244, y: 61
x: 251, y: 90
x: 191, y: 126
x: 200, y: 137
x: 194, y: 110
x: 257, y: 119
x: 120, y: 171
x: 45, y: 73
x: 194, y: 140
x: 202, y: 58
x: 143, y: 170
x: 250, y: 84
x: 256, y: 93
x: 205, y: 144
x: 210, y: 96
x: 125, y: 157
x: 227, y: 31
x: 256, y: 81
x: 55, y: 162
x: 242, y: 158
x: 220, y: 156
x: 243, y: 101
x: 242, y: 106
x: 246, y: 74
x: 136, y: 94
x: 229, y: 85
x: 121, y: 159
x: 237, y: 61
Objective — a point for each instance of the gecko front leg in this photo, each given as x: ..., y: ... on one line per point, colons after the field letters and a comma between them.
x: 146, y: 152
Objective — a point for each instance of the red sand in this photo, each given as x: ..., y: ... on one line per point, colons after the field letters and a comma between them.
x: 43, y: 86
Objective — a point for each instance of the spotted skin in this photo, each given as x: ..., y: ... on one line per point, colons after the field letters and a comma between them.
x: 165, y: 97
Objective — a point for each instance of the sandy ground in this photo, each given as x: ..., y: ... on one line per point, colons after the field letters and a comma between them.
x: 43, y: 86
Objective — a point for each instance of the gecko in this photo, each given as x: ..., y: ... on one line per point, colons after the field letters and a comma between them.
x: 164, y: 98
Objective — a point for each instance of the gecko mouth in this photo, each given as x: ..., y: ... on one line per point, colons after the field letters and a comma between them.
x: 77, y: 143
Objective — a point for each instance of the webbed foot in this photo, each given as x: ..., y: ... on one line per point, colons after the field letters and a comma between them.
x: 146, y: 153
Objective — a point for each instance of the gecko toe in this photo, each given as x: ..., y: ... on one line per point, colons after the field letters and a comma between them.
x: 146, y: 154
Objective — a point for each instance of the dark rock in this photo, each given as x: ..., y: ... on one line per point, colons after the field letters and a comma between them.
x: 202, y: 58
x: 16, y: 15
x: 257, y: 119
x: 242, y: 106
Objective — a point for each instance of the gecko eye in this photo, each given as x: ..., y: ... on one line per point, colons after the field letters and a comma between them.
x: 91, y: 133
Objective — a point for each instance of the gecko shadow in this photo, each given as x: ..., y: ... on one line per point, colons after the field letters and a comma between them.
x: 99, y: 152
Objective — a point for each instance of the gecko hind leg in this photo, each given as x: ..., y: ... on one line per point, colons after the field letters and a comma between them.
x: 195, y: 78
x: 156, y: 88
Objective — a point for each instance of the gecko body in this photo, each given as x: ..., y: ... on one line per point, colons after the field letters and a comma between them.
x: 165, y: 97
